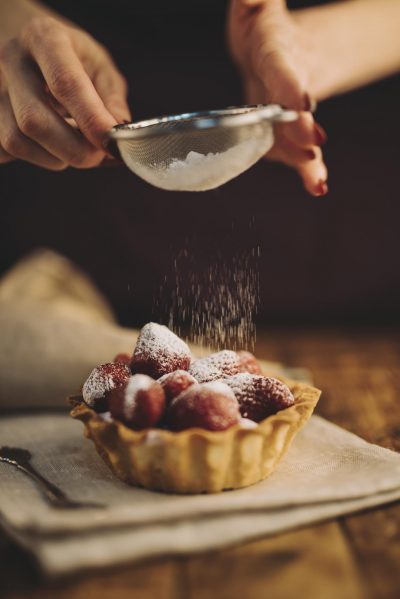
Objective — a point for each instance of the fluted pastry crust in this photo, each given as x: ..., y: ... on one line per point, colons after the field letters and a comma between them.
x: 197, y: 460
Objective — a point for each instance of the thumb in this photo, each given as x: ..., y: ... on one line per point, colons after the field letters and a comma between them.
x: 112, y: 88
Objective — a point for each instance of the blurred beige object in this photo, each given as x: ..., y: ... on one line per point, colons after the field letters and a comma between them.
x: 55, y: 327
x: 197, y: 460
x: 47, y: 277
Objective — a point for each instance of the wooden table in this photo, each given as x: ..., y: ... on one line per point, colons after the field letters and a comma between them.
x: 350, y: 558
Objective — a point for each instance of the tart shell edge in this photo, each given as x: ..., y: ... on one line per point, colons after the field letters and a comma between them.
x: 197, y: 460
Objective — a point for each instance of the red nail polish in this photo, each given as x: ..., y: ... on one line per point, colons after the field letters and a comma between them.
x: 309, y: 104
x: 320, y: 136
x: 311, y: 155
x: 322, y: 188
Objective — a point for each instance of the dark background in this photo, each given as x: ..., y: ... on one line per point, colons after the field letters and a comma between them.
x: 332, y: 259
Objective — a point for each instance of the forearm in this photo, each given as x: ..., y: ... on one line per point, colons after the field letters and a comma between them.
x: 14, y: 14
x: 353, y: 43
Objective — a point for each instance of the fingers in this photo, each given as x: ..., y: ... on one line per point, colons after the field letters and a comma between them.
x: 306, y: 161
x: 52, y: 111
x: 302, y: 131
x: 297, y: 144
x: 300, y: 152
x: 308, y: 135
x: 292, y: 154
x: 305, y: 136
x: 112, y: 89
x: 51, y: 47
x: 14, y: 144
x: 31, y: 116
x: 314, y: 175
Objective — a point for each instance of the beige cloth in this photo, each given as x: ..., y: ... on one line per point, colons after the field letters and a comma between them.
x: 55, y: 327
x: 327, y: 472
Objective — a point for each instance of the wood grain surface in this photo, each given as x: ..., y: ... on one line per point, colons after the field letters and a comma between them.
x: 354, y: 557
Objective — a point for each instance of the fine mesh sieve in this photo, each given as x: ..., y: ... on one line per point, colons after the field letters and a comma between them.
x: 201, y: 150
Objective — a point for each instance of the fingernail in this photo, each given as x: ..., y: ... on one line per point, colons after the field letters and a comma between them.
x: 311, y: 155
x: 309, y: 103
x: 319, y: 134
x: 322, y: 188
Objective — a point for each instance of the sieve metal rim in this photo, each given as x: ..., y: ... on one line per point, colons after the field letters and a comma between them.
x: 234, y: 116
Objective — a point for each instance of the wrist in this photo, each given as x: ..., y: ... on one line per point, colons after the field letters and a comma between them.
x: 323, y: 67
x: 351, y: 43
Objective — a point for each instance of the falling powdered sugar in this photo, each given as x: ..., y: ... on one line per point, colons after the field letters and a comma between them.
x: 211, y: 296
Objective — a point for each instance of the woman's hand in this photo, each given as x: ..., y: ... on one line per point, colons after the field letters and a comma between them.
x: 275, y: 61
x: 60, y: 92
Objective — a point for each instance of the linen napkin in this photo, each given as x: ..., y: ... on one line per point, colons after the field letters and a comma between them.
x: 327, y: 472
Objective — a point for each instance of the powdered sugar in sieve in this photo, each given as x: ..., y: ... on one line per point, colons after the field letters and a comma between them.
x: 198, y: 151
x: 199, y: 172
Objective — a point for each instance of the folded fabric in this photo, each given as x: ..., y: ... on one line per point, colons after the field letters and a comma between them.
x: 327, y: 472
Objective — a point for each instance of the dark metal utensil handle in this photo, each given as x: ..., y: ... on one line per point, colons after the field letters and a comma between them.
x: 20, y: 459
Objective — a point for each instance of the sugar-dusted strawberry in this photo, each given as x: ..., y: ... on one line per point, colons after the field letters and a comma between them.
x: 159, y: 351
x: 123, y: 359
x: 175, y: 382
x: 100, y: 381
x: 139, y: 404
x: 212, y: 406
x: 259, y: 396
x: 215, y: 366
